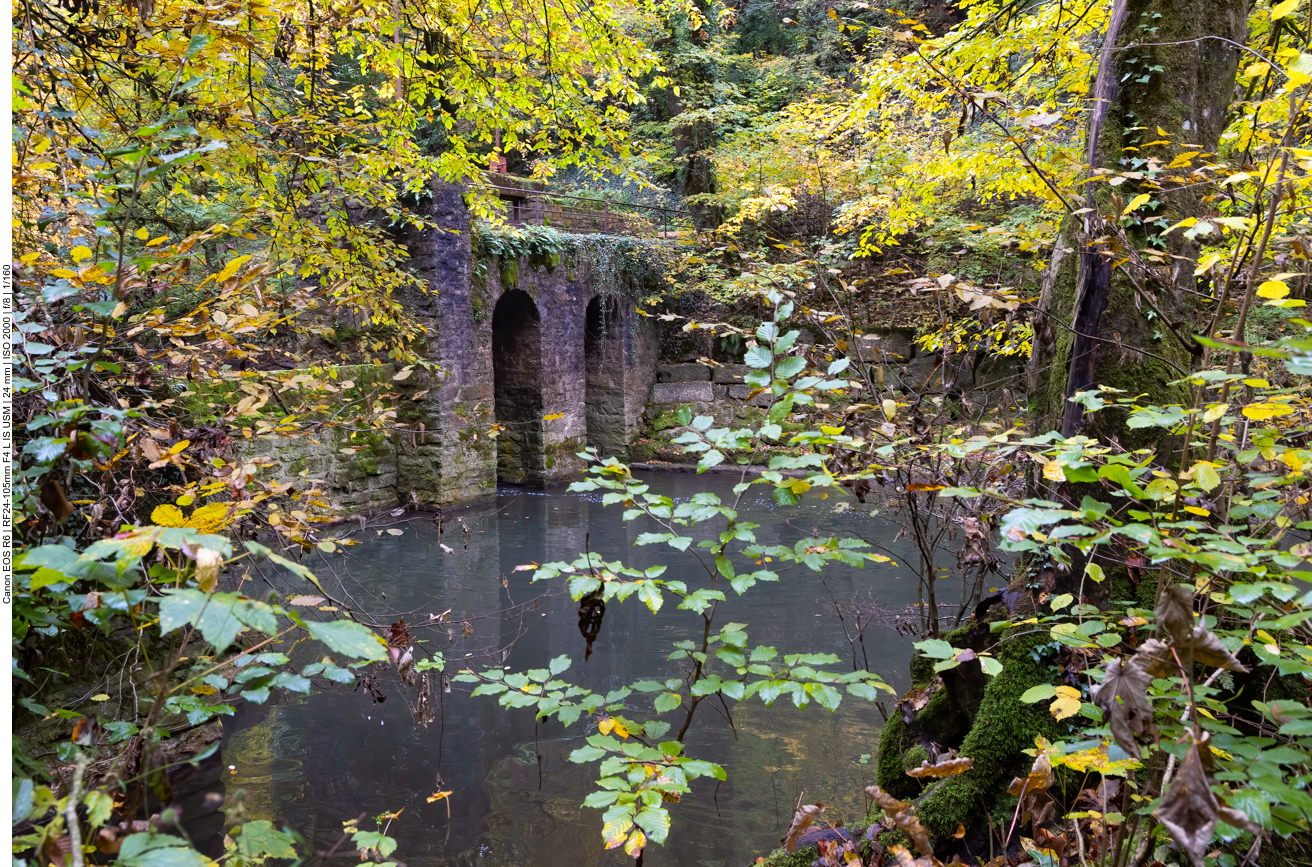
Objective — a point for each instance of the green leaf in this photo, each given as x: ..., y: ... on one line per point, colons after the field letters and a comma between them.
x: 259, y: 839
x: 936, y: 648
x: 349, y: 639
x: 758, y: 357
x: 666, y: 702
x: 1038, y: 693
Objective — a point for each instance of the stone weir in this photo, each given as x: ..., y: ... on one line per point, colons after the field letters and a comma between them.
x: 533, y: 360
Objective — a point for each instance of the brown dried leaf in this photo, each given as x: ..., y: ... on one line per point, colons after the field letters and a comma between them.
x: 1123, y: 697
x: 1155, y: 658
x: 1175, y: 611
x: 1207, y: 649
x: 1039, y: 779
x: 943, y: 768
x: 802, y: 819
x: 1189, y: 809
x: 902, y: 816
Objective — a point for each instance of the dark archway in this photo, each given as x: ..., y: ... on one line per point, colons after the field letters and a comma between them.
x: 517, y: 372
x: 603, y: 353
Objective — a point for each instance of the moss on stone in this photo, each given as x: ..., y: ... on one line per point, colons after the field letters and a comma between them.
x: 889, y: 771
x: 666, y: 420
x: 509, y: 268
x: 1003, y: 728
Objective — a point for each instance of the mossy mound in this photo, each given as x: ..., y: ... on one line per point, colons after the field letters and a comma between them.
x: 994, y: 731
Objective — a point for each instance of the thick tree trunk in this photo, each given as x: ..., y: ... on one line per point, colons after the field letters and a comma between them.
x: 1107, y: 316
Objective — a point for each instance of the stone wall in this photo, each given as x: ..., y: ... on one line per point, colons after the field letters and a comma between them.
x: 530, y: 364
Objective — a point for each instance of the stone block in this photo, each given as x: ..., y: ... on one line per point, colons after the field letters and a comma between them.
x: 729, y: 374
x: 721, y: 392
x: 742, y: 392
x: 887, y: 347
x: 683, y: 373
x: 682, y: 392
x: 994, y: 373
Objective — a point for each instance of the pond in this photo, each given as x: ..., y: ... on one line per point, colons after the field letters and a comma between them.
x: 313, y: 762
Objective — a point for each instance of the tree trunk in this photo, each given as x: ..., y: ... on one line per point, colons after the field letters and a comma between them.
x: 1109, y: 315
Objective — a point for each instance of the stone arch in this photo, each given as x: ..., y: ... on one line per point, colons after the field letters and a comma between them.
x: 603, y: 356
x: 517, y: 383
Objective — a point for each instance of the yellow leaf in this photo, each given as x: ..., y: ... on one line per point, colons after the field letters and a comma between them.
x: 80, y: 253
x: 1195, y: 510
x: 211, y: 517
x: 1257, y: 383
x: 231, y: 268
x: 29, y: 258
x: 1205, y: 476
x: 890, y: 409
x: 208, y: 565
x: 1052, y: 471
x: 438, y: 796
x: 606, y: 725
x: 179, y: 446
x: 168, y: 515
x: 1264, y: 411
x: 1282, y: 10
x: 1136, y: 202
x: 831, y: 431
x: 143, y: 233
x: 798, y: 486
x: 101, y: 697
x: 616, y: 831
x: 1067, y: 702
x: 1214, y: 412
x: 637, y: 839
x: 185, y: 500
x: 204, y: 689
x: 249, y: 310
x: 553, y: 416
x: 1273, y: 289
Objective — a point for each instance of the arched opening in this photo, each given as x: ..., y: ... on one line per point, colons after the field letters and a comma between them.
x: 517, y: 372
x: 603, y: 354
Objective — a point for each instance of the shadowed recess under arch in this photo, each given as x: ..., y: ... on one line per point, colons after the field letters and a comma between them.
x: 517, y: 372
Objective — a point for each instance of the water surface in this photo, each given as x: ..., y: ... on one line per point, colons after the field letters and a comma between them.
x: 313, y: 762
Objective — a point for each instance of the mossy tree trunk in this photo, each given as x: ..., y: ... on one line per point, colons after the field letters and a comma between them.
x: 1116, y: 308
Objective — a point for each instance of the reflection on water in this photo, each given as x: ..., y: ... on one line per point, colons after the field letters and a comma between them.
x: 314, y: 762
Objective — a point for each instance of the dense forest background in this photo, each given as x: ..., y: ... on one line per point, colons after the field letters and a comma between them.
x: 1108, y: 191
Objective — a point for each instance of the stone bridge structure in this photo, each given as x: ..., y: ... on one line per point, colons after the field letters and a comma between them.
x: 534, y: 355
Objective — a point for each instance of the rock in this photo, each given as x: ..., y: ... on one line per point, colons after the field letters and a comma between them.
x: 682, y: 392
x: 1000, y: 372
x: 829, y: 835
x: 743, y: 392
x: 729, y: 374
x: 888, y: 346
x: 683, y: 373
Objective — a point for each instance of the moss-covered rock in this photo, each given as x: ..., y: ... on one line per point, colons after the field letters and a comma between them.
x: 1003, y: 727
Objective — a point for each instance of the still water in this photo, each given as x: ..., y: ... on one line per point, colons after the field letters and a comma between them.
x: 312, y: 762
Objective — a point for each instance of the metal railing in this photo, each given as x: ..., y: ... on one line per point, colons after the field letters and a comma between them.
x: 584, y: 215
